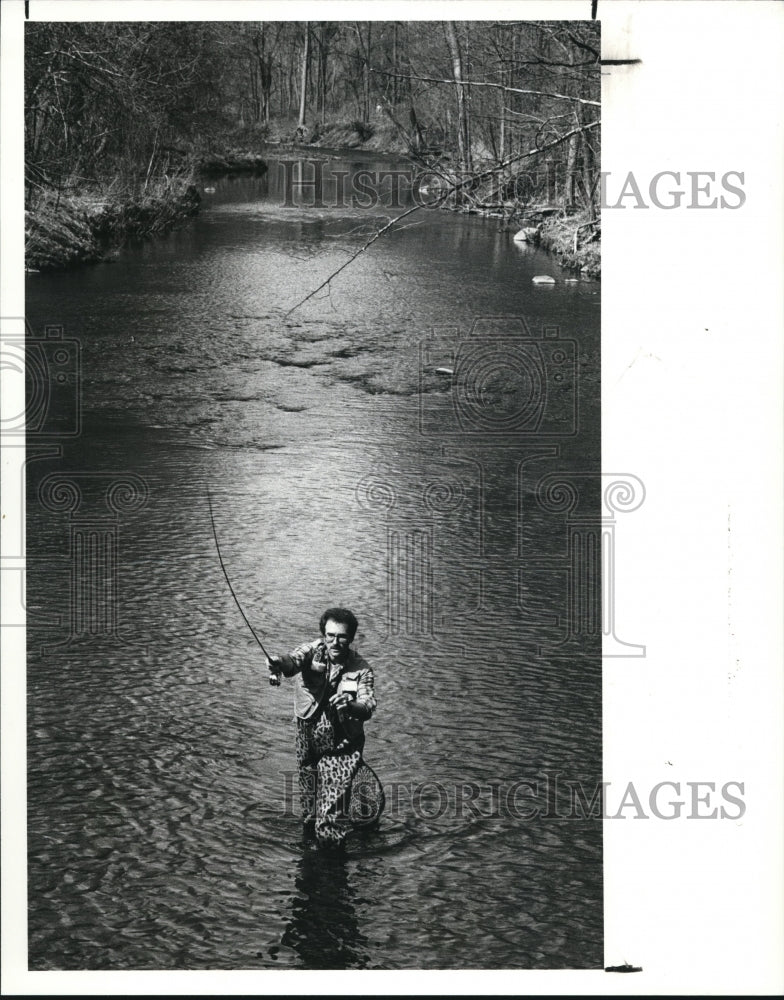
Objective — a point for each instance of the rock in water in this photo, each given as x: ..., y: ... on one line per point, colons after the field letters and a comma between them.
x: 543, y: 279
x: 525, y: 235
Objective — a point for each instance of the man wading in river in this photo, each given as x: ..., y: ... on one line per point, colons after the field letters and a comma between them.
x: 333, y: 696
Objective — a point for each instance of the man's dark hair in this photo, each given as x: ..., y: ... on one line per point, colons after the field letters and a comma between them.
x: 343, y: 617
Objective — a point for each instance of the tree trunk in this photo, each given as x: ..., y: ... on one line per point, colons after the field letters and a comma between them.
x: 415, y: 133
x: 367, y: 71
x: 589, y: 177
x: 503, y: 76
x: 304, y: 78
x: 264, y: 77
x: 322, y: 74
x: 571, y: 171
x: 394, y: 65
x: 463, y: 123
x: 502, y: 127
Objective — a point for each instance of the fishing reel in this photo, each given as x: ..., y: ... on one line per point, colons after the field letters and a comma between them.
x: 274, y: 672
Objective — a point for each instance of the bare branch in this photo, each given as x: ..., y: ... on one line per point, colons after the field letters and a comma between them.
x: 454, y: 187
x: 353, y: 257
x: 484, y: 83
x: 531, y: 152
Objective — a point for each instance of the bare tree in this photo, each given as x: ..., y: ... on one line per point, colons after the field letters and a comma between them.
x: 304, y: 76
x: 461, y: 87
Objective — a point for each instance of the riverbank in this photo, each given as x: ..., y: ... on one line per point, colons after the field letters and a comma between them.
x: 378, y: 135
x: 572, y: 238
x: 575, y: 240
x: 89, y: 225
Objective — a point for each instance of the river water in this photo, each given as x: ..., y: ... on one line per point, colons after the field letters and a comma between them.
x: 455, y: 511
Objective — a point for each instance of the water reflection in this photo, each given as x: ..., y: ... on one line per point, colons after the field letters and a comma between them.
x: 323, y: 928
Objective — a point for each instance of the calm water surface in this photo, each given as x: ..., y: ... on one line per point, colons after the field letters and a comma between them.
x: 343, y: 468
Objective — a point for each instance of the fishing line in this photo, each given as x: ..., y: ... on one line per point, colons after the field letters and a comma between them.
x: 228, y: 581
x: 367, y: 798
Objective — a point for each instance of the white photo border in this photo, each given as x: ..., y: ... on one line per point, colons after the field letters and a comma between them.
x: 692, y: 320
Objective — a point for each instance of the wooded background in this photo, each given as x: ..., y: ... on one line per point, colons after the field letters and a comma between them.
x: 124, y: 103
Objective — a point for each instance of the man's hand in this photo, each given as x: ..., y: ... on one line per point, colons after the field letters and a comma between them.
x: 341, y: 700
x: 274, y: 667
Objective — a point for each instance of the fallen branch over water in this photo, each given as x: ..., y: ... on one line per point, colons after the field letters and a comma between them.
x: 353, y: 257
x: 453, y: 187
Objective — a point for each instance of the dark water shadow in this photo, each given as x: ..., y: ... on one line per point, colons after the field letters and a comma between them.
x: 323, y: 928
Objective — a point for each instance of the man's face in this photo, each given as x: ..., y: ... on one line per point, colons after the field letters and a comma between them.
x: 337, y: 640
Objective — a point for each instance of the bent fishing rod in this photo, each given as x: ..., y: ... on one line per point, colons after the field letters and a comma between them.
x: 274, y: 678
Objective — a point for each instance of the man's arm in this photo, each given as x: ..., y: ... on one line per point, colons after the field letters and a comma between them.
x: 294, y: 662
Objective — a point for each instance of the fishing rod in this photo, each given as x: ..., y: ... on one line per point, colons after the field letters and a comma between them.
x: 274, y: 678
x: 367, y: 799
